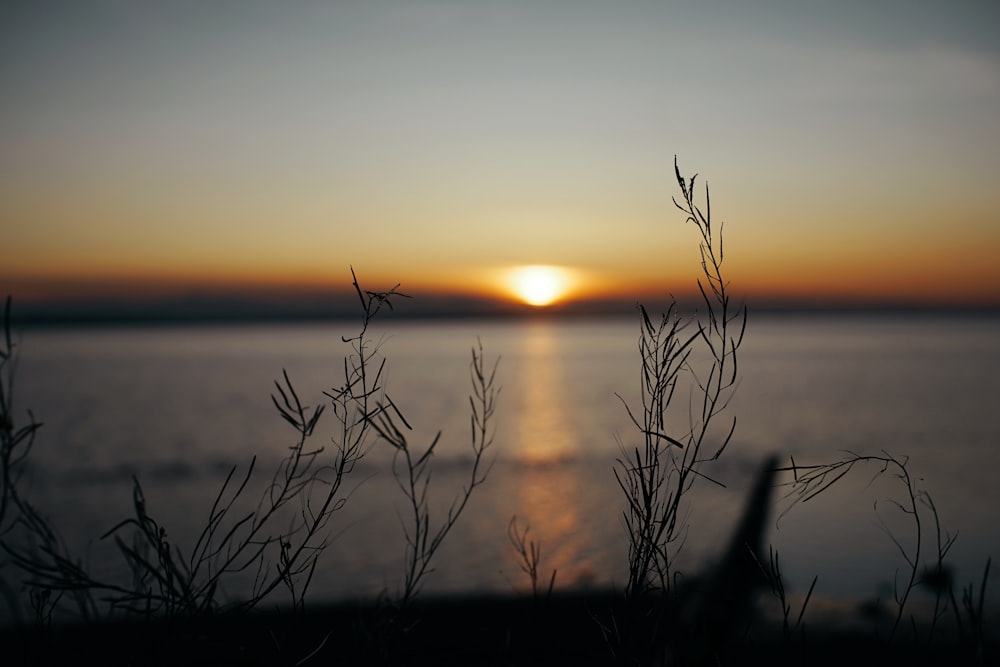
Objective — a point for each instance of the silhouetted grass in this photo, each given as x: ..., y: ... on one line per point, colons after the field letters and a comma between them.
x: 275, y: 544
x: 172, y: 610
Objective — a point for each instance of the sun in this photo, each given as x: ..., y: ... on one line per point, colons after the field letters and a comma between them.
x: 539, y: 285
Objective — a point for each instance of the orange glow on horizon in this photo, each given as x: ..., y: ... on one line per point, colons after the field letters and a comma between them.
x: 536, y: 285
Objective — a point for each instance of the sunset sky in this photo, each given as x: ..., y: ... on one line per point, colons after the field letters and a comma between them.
x: 155, y: 149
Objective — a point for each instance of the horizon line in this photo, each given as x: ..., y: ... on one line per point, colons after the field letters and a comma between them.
x: 226, y: 309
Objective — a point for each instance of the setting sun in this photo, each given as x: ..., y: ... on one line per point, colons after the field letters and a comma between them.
x: 539, y: 285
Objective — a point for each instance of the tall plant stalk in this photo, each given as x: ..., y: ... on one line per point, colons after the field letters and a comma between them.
x: 413, y: 473
x: 657, y: 475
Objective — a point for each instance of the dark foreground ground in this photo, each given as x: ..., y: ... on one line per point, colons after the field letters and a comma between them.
x: 584, y: 629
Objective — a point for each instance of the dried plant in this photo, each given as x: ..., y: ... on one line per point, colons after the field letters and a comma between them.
x: 529, y: 554
x: 657, y: 475
x: 413, y: 473
x: 777, y: 582
x: 974, y: 606
x: 15, y: 441
x: 811, y: 481
x: 278, y: 542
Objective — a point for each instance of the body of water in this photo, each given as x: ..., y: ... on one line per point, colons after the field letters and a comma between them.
x: 178, y: 406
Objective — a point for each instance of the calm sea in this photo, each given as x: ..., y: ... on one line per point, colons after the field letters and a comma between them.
x: 178, y: 406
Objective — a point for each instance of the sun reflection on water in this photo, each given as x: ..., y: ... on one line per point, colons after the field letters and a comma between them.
x: 543, y: 427
x: 545, y: 442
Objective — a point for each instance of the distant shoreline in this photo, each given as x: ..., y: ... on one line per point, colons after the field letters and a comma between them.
x: 41, y: 317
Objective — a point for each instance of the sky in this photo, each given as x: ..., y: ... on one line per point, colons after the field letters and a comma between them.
x: 157, y: 150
